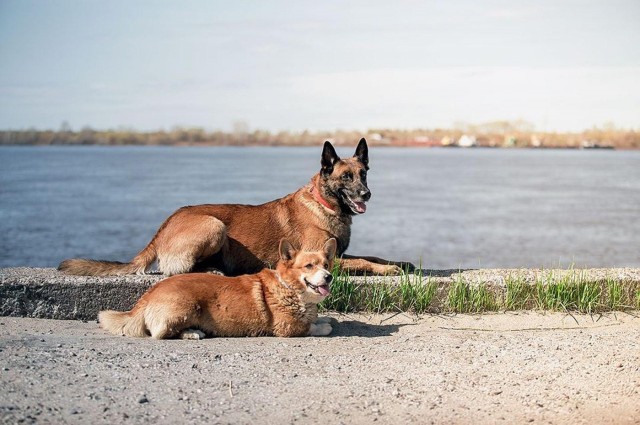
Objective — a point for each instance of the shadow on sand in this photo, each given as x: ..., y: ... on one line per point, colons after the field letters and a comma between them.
x: 356, y: 328
x: 440, y: 273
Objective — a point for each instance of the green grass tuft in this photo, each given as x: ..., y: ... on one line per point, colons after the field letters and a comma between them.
x: 518, y: 294
x: 569, y: 290
x: 413, y: 293
x: 465, y: 298
x: 345, y: 294
x: 614, y: 294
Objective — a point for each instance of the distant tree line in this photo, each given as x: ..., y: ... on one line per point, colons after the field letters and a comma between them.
x: 494, y: 134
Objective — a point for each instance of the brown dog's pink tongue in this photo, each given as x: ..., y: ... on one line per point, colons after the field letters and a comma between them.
x: 361, y: 207
x: 324, y: 290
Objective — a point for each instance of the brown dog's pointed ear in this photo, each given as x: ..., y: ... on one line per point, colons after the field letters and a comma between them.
x: 287, y: 251
x: 330, y: 248
x: 362, y: 152
x: 329, y: 158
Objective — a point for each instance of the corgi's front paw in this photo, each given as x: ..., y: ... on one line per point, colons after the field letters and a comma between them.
x: 192, y: 334
x: 320, y: 329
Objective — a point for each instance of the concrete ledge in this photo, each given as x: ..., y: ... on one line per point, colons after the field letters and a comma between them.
x: 46, y: 293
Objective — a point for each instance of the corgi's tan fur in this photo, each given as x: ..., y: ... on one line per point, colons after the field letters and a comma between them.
x: 281, y: 302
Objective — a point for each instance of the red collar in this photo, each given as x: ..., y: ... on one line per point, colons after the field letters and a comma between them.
x: 316, y: 195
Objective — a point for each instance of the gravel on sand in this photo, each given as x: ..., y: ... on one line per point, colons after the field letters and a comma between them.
x: 492, y: 368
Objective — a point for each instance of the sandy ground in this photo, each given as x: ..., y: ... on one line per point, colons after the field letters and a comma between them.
x: 498, y: 368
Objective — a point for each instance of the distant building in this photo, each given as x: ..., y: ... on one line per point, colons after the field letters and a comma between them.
x: 589, y: 144
x: 467, y: 141
x: 447, y: 141
x: 536, y: 142
x: 374, y: 137
x: 378, y: 139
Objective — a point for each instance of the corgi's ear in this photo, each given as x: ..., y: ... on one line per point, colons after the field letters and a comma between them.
x: 287, y: 251
x: 330, y: 248
x: 362, y: 153
x: 329, y: 158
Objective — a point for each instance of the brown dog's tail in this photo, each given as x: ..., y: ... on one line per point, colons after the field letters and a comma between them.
x: 82, y: 267
x: 127, y: 323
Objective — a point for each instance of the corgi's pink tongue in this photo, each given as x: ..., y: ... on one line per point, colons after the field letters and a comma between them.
x: 360, y: 206
x: 324, y: 290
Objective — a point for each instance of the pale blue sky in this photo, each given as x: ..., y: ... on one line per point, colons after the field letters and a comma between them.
x: 563, y: 65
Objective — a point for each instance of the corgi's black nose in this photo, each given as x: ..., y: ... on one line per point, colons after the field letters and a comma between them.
x: 328, y: 278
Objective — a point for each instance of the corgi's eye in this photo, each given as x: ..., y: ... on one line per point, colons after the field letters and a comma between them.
x: 326, y: 266
x: 309, y: 266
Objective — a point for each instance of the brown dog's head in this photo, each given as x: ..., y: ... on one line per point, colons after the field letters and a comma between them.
x: 307, y: 272
x: 345, y: 180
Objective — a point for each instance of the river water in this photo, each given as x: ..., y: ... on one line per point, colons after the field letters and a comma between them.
x: 443, y: 208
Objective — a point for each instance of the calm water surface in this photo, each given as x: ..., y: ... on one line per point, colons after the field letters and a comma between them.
x: 447, y: 208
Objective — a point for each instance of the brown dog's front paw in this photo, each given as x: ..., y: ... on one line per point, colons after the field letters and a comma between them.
x: 390, y: 270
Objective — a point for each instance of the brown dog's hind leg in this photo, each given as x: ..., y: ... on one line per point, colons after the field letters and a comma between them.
x: 185, y: 242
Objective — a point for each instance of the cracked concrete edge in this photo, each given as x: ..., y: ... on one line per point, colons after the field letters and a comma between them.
x: 47, y: 293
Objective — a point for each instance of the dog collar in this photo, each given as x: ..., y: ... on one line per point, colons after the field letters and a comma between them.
x: 316, y: 195
x: 282, y: 282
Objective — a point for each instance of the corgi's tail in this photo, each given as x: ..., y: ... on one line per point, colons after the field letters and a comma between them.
x: 127, y: 323
x: 83, y: 267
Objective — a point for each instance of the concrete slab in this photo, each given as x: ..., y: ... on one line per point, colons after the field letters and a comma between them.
x: 47, y: 293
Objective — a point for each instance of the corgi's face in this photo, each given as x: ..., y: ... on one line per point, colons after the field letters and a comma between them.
x: 308, y: 272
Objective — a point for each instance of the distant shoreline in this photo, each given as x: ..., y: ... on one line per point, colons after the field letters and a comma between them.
x: 204, y: 145
x: 491, y: 135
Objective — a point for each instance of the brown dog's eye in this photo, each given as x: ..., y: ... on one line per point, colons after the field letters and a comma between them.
x: 347, y: 176
x: 309, y: 266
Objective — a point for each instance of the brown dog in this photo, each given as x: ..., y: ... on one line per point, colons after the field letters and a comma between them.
x: 237, y: 239
x: 280, y: 302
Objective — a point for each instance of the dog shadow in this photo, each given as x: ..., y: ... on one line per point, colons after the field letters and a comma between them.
x: 366, y: 330
x: 440, y: 273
